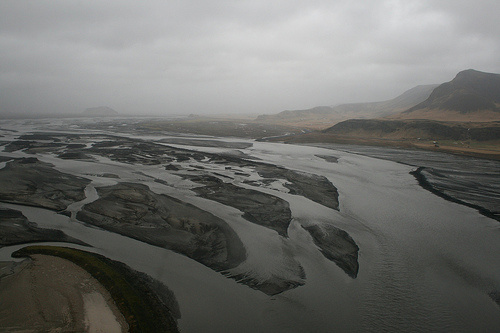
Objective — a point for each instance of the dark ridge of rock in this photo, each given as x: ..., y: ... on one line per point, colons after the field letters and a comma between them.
x: 370, y: 125
x: 16, y: 229
x: 413, y: 129
x: 29, y: 181
x: 337, y: 246
x: 257, y: 207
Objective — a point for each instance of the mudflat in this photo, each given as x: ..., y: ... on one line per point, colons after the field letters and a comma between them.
x: 15, y: 228
x: 132, y: 209
x: 31, y: 182
x: 49, y: 293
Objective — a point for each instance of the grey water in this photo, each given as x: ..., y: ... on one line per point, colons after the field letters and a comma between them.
x: 426, y: 264
x: 468, y: 179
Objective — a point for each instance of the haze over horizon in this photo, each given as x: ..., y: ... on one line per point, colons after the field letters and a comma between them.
x: 254, y: 57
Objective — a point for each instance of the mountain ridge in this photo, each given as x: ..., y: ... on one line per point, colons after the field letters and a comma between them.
x: 469, y: 92
x: 320, y: 115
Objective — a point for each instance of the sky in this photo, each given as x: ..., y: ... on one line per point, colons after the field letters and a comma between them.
x: 234, y: 57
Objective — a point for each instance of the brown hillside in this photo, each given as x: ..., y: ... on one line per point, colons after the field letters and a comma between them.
x: 470, y: 96
x: 323, y: 116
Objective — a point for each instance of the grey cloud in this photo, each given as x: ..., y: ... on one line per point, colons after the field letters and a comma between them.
x: 234, y: 56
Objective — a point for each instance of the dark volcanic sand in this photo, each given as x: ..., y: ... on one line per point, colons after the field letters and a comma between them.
x: 133, y: 210
x: 16, y: 229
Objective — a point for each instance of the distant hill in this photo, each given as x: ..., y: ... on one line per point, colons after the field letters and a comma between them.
x: 461, y: 117
x: 466, y: 108
x: 379, y: 109
x: 471, y: 96
x: 415, y: 129
x: 322, y: 115
x: 100, y: 111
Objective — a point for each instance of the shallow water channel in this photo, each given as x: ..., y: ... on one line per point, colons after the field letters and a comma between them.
x: 425, y: 263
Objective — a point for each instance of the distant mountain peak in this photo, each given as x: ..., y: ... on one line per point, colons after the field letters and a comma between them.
x: 470, y: 91
x: 100, y: 111
x: 471, y: 73
x: 468, y: 71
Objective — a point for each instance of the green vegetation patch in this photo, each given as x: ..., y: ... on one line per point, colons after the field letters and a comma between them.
x: 143, y: 310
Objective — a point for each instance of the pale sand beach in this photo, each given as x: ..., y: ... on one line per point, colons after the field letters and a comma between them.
x: 51, y: 294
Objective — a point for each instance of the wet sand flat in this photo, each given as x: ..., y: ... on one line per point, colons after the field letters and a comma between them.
x: 53, y: 294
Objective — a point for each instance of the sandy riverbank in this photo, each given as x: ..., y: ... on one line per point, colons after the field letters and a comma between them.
x: 52, y: 294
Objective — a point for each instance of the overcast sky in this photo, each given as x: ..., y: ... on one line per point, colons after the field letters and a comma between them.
x: 197, y: 56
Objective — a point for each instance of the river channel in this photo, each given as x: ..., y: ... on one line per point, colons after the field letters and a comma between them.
x: 425, y: 263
